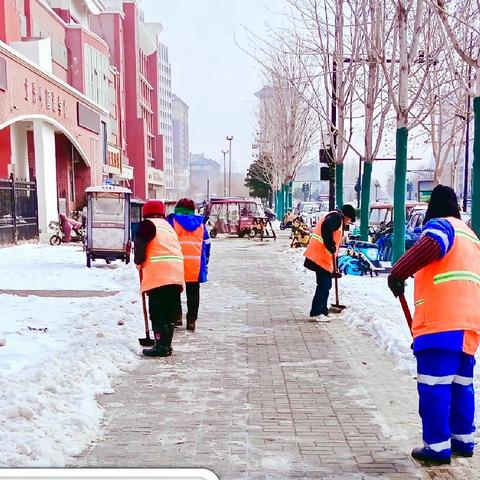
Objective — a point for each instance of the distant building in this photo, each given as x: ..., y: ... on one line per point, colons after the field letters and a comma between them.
x: 165, y: 115
x: 204, y: 172
x: 180, y: 146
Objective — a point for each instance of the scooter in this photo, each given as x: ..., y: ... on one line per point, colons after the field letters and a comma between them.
x: 78, y: 233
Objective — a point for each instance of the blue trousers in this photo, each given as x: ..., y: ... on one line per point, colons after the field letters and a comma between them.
x: 446, y: 400
x: 320, y: 300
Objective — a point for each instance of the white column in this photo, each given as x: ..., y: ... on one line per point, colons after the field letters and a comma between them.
x: 18, y: 139
x: 45, y: 169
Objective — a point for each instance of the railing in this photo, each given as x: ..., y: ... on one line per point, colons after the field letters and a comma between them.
x: 18, y: 210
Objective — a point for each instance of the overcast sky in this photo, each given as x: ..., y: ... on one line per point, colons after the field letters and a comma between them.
x: 210, y: 73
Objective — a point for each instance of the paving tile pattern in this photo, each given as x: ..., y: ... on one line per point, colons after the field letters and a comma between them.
x: 258, y: 392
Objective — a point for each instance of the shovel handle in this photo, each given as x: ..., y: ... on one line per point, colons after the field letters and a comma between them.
x: 406, y: 311
x: 144, y: 305
x: 335, y: 276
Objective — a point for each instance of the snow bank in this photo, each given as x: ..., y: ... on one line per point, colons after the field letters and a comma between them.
x: 60, y: 353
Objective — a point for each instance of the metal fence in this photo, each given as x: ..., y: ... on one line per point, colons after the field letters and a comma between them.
x: 18, y: 210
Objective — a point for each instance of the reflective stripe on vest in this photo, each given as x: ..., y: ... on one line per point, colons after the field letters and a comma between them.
x: 439, y: 285
x: 316, y: 237
x: 192, y: 244
x: 316, y: 250
x: 166, y: 258
x: 164, y: 263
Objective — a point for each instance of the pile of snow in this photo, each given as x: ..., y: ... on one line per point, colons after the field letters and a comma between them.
x: 59, y: 353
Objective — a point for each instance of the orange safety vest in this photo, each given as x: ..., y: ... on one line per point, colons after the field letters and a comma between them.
x: 192, y: 244
x: 447, y: 292
x: 164, y: 262
x: 316, y: 250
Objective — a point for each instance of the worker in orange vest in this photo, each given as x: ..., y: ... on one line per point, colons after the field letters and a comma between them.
x: 320, y: 255
x: 158, y: 255
x: 446, y: 326
x: 195, y: 243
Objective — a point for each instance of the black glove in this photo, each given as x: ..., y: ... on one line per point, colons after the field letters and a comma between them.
x: 331, y: 248
x: 396, y: 285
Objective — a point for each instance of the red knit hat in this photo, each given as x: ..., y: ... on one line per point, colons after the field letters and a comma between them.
x: 153, y: 207
x: 186, y: 203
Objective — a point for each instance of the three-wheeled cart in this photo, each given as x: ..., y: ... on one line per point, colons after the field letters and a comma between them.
x: 238, y: 216
x: 108, y: 224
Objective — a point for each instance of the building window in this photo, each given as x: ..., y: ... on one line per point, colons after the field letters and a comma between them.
x: 97, y: 76
x: 103, y: 134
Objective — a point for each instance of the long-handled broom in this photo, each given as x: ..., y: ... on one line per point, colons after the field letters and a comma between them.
x: 336, y: 307
x: 147, y: 341
x: 406, y: 311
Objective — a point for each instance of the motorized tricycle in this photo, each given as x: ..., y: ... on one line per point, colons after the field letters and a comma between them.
x: 238, y: 216
x: 108, y: 224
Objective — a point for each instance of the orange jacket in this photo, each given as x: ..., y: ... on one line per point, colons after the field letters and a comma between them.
x: 164, y: 262
x: 191, y: 243
x: 316, y: 250
x: 447, y: 292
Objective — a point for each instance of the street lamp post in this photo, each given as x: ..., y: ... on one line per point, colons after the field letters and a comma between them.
x: 230, y: 138
x: 377, y: 186
x: 224, y: 173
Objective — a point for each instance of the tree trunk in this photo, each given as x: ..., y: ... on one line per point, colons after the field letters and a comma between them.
x: 476, y: 165
x: 365, y: 204
x: 399, y: 217
x: 401, y: 142
x: 339, y: 184
x: 290, y: 196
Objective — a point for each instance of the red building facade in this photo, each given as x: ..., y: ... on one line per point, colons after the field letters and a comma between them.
x: 78, y: 100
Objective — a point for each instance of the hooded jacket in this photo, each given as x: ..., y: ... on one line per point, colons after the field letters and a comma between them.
x: 191, y: 223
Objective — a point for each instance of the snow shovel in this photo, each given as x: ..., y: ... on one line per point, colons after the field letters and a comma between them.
x: 336, y: 307
x: 406, y: 311
x: 147, y: 341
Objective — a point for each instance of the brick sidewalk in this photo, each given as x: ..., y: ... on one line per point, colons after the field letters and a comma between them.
x: 258, y: 392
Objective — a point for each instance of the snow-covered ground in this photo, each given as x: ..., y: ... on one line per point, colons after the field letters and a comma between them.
x: 57, y: 354
x: 373, y: 309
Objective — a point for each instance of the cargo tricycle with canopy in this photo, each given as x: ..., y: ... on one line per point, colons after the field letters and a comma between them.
x: 108, y: 224
x: 238, y: 216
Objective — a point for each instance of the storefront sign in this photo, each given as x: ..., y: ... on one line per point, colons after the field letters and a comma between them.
x: 114, y: 159
x: 155, y: 176
x: 88, y: 118
x: 425, y: 188
x: 38, y: 94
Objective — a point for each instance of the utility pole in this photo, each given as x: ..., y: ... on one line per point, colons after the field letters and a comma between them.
x: 230, y: 138
x: 467, y: 134
x: 333, y: 138
x: 224, y: 173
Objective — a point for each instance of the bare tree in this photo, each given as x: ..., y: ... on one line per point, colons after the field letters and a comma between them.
x: 287, y: 127
x: 406, y: 65
x: 461, y: 21
x: 372, y: 92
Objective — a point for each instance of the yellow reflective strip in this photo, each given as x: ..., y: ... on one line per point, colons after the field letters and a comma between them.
x: 317, y: 237
x: 455, y: 276
x: 419, y: 302
x: 468, y: 235
x: 166, y: 258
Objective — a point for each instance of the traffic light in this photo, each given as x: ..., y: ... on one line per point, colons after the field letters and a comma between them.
x: 325, y: 173
x: 326, y: 155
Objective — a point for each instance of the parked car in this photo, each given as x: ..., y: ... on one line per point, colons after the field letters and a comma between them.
x: 418, y: 216
x: 301, y: 206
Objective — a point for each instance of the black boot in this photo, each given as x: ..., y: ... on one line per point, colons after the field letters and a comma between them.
x: 162, y: 347
x: 430, y: 456
x: 157, y: 351
x: 191, y: 325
